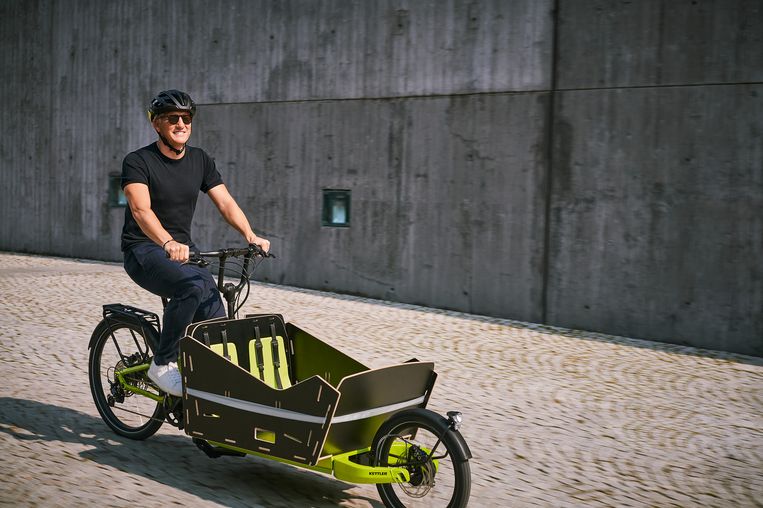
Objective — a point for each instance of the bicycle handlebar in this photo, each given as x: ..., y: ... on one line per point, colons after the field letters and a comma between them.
x: 230, y: 291
x: 250, y: 251
x: 222, y: 255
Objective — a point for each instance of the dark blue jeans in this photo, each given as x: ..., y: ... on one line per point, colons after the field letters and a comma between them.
x: 192, y: 292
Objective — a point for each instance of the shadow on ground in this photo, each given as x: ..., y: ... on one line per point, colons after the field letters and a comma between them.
x: 172, y: 460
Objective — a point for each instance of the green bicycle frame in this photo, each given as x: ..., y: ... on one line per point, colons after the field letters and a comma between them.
x: 340, y: 466
x: 121, y: 374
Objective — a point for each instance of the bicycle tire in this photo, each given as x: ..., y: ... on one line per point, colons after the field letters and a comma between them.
x: 452, y: 471
x: 135, y: 416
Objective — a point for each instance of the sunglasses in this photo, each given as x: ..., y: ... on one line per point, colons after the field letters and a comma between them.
x: 173, y: 119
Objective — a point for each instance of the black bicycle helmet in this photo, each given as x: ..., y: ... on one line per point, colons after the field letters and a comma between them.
x: 171, y: 100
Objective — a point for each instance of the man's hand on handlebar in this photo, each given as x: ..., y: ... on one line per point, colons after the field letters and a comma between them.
x: 259, y: 251
x: 260, y: 242
x: 176, y: 251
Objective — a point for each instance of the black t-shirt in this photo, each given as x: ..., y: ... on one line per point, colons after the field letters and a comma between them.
x: 174, y: 187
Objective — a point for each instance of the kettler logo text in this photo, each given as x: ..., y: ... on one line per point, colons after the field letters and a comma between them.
x: 374, y: 473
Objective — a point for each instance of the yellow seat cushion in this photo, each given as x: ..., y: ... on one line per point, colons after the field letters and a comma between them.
x: 267, y: 360
x: 218, y: 348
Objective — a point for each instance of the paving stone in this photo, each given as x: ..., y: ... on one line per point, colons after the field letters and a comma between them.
x: 554, y: 417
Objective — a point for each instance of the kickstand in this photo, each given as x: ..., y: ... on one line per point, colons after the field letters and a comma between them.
x: 214, y: 451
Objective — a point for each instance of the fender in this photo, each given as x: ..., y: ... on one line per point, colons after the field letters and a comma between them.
x: 444, y: 427
x: 116, y: 313
x: 439, y: 424
x: 462, y: 444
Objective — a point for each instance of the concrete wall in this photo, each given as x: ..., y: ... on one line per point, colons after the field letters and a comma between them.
x: 436, y: 189
x: 589, y: 164
x: 656, y: 223
x: 657, y: 239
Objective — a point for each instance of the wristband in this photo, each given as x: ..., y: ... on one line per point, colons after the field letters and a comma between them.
x: 168, y: 241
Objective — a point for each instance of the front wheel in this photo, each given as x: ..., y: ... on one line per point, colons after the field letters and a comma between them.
x: 434, y: 454
x: 115, y: 347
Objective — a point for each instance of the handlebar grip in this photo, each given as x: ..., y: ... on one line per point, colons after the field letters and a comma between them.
x: 195, y: 258
x: 258, y: 250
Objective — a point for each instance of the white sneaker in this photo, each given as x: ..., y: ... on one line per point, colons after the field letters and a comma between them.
x: 167, y: 378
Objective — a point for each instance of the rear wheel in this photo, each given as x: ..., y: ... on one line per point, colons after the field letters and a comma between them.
x: 434, y: 454
x: 114, y: 348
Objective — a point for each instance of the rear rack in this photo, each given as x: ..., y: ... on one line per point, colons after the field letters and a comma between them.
x: 115, y: 314
x: 115, y: 311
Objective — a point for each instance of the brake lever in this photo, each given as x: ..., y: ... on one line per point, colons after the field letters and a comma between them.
x: 258, y: 250
x: 197, y: 260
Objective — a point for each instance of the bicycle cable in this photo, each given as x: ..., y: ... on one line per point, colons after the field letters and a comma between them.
x: 234, y: 266
x: 248, y: 283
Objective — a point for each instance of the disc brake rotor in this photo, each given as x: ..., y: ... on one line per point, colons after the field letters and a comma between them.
x: 422, y: 472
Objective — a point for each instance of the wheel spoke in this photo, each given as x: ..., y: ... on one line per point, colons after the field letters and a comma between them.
x: 435, y: 480
x: 117, y: 347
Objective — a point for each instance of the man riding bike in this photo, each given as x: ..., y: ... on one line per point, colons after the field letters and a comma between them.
x: 162, y: 182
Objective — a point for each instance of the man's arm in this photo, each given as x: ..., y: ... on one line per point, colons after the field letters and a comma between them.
x: 233, y: 215
x: 139, y: 200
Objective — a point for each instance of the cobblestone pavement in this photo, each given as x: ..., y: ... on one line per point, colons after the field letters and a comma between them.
x: 554, y: 417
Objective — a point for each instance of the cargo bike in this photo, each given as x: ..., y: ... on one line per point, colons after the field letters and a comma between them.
x: 261, y: 386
